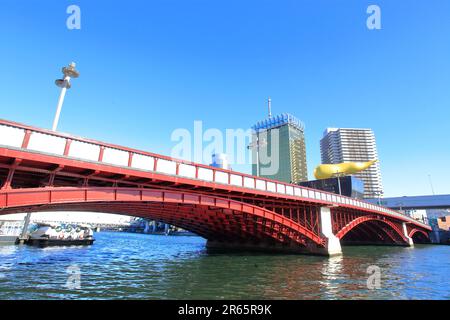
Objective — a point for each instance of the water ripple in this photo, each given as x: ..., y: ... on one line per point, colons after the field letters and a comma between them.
x: 134, y: 266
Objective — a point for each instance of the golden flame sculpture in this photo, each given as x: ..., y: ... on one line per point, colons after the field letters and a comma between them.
x: 325, y: 171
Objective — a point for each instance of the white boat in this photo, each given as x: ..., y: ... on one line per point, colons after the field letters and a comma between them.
x: 51, y: 234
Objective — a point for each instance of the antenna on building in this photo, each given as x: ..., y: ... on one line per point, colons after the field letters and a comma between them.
x: 269, y: 104
x: 431, y: 184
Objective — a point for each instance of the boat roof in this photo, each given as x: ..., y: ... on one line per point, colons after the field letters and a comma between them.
x: 47, y: 224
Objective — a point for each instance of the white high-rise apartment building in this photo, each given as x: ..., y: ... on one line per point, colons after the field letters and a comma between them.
x: 354, y: 145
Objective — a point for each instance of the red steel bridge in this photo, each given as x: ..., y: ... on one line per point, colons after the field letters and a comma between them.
x: 41, y: 170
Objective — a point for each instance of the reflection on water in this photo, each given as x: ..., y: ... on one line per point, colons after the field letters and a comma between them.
x: 331, y: 274
x: 133, y: 266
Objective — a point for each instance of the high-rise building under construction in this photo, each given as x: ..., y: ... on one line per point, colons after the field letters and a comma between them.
x: 281, y: 139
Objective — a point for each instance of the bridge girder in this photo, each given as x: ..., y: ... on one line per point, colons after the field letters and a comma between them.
x: 212, y: 217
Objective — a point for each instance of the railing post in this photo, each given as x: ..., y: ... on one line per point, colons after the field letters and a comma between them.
x: 67, y: 147
x: 26, y: 139
x: 100, y: 155
x: 130, y: 159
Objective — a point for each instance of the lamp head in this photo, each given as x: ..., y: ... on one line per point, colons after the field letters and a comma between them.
x: 71, y: 71
x: 63, y: 83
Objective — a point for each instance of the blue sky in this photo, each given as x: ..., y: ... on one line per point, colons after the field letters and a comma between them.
x: 149, y: 67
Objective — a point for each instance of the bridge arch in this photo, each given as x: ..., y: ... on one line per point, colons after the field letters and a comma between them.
x: 212, y: 217
x: 419, y: 236
x: 377, y: 229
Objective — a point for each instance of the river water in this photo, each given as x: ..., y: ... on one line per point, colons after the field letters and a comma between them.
x: 138, y: 266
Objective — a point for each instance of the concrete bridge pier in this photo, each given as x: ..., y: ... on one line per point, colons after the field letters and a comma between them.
x: 405, y: 232
x: 333, y: 244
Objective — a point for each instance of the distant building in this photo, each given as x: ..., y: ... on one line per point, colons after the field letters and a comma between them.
x: 419, y: 215
x: 292, y: 166
x: 437, y: 213
x: 436, y: 205
x: 444, y: 223
x: 220, y: 160
x: 354, y: 145
x: 441, y: 229
x: 349, y: 186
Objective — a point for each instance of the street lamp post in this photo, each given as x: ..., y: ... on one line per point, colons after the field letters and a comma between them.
x: 257, y: 144
x: 400, y: 204
x: 338, y: 175
x: 379, y: 194
x: 69, y: 72
x: 64, y: 84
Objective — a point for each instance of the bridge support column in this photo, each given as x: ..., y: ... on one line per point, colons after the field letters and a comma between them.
x: 332, y: 245
x: 405, y: 232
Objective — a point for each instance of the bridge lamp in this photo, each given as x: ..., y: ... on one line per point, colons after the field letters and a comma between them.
x: 260, y: 142
x: 400, y: 204
x: 379, y: 194
x: 256, y: 145
x: 69, y: 72
x: 338, y: 175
